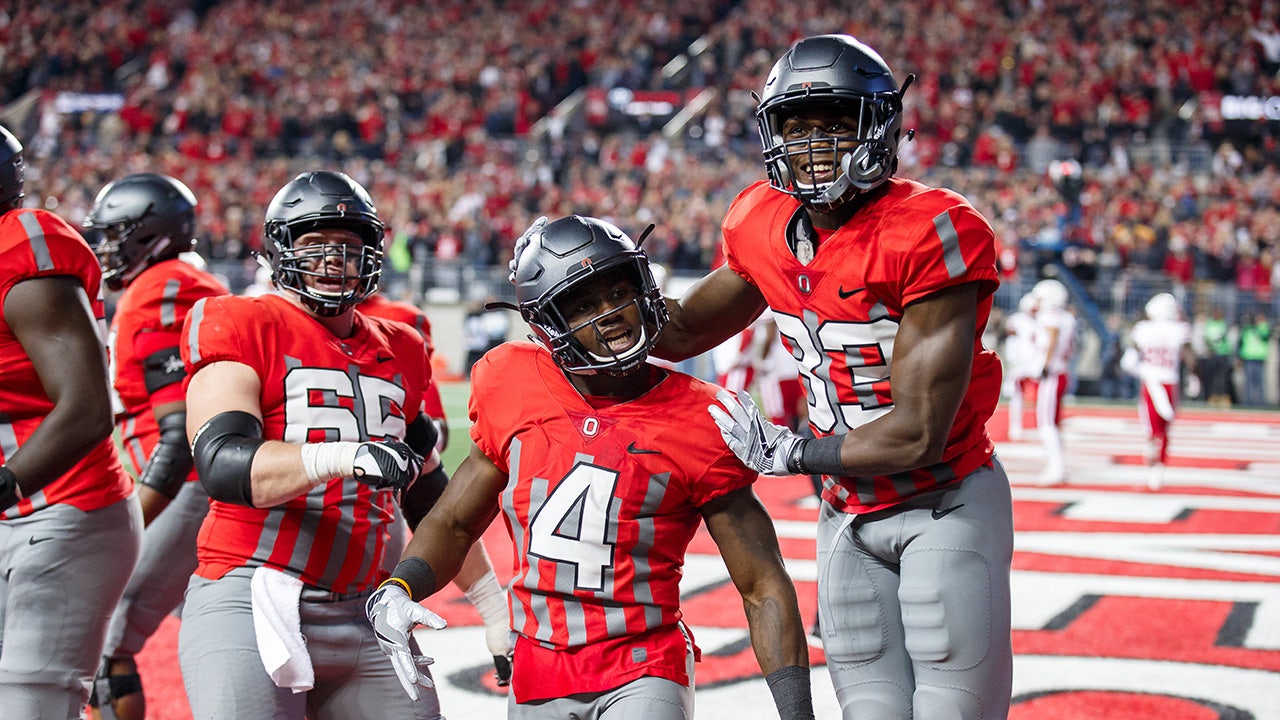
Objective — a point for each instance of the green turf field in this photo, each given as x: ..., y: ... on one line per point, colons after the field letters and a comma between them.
x: 454, y: 396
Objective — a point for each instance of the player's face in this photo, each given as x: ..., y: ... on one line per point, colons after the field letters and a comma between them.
x: 817, y: 163
x: 330, y: 260
x: 604, y: 314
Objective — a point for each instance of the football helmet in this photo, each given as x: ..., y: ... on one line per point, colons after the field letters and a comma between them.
x: 138, y: 221
x: 561, y: 255
x: 1051, y: 294
x: 316, y: 201
x: 1163, y: 307
x: 832, y: 72
x: 13, y: 171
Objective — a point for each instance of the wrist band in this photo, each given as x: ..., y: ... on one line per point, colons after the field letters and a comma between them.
x: 324, y: 461
x: 416, y: 577
x: 792, y: 695
x: 817, y: 456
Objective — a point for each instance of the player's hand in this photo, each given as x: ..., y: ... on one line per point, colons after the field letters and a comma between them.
x: 522, y: 242
x: 502, y: 670
x: 393, y: 616
x: 388, y: 464
x: 758, y: 443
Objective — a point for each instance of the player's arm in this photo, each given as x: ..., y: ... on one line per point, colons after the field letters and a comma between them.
x: 1052, y: 332
x: 433, y: 557
x: 745, y: 535
x: 932, y: 360
x: 237, y: 465
x: 458, y: 519
x: 54, y: 322
x: 170, y: 462
x: 713, y: 310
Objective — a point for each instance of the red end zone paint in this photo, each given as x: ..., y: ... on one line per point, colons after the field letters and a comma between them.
x: 1099, y: 705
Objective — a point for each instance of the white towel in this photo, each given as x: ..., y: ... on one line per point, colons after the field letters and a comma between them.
x: 278, y: 627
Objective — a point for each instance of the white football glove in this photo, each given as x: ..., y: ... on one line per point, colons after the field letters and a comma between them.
x: 758, y: 443
x: 522, y: 242
x: 393, y: 615
x: 388, y: 464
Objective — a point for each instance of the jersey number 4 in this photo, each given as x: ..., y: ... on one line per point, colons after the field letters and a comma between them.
x: 572, y: 525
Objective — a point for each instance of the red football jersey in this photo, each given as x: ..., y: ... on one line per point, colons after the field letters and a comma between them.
x: 601, y: 505
x: 377, y: 305
x: 143, y: 346
x: 839, y: 314
x: 34, y: 244
x: 315, y: 388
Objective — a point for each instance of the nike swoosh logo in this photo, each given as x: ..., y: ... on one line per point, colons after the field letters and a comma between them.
x: 641, y: 451
x: 37, y: 541
x: 385, y: 359
x: 845, y: 295
x: 939, y: 514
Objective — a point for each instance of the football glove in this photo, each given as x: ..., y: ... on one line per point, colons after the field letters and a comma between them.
x: 388, y: 464
x: 393, y: 615
x: 758, y: 443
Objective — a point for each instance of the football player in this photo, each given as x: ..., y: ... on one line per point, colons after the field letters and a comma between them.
x: 1021, y: 366
x: 306, y: 425
x: 881, y: 288
x: 70, y: 526
x: 1055, y: 347
x: 139, y: 226
x: 603, y: 466
x: 1161, y: 343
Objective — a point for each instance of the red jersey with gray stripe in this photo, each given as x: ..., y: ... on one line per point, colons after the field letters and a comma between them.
x: 601, y: 502
x: 36, y: 244
x: 144, y: 348
x: 315, y: 388
x: 839, y: 314
x: 377, y: 305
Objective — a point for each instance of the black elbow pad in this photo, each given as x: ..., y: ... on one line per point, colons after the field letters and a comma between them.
x: 421, y: 435
x: 171, y: 461
x: 223, y: 450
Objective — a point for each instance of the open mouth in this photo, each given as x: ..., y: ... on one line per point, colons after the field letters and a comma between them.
x: 619, y: 342
x: 819, y: 171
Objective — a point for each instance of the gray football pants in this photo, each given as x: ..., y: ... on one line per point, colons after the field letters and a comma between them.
x: 168, y: 558
x: 913, y: 604
x: 225, y: 680
x: 62, y: 571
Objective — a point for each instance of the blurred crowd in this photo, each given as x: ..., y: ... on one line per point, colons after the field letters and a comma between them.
x: 1070, y: 125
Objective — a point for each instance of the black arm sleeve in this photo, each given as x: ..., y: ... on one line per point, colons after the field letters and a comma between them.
x: 223, y: 450
x: 421, y: 435
x: 421, y: 496
x: 171, y: 461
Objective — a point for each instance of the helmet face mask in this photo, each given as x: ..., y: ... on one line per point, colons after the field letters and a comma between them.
x: 313, y: 203
x: 581, y: 278
x: 138, y: 221
x: 831, y: 76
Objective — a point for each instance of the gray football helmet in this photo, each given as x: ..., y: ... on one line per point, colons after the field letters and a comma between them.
x: 563, y: 254
x: 13, y: 171
x: 835, y: 72
x: 315, y: 201
x: 138, y: 221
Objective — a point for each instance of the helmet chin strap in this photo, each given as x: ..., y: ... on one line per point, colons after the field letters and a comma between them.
x: 857, y: 169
